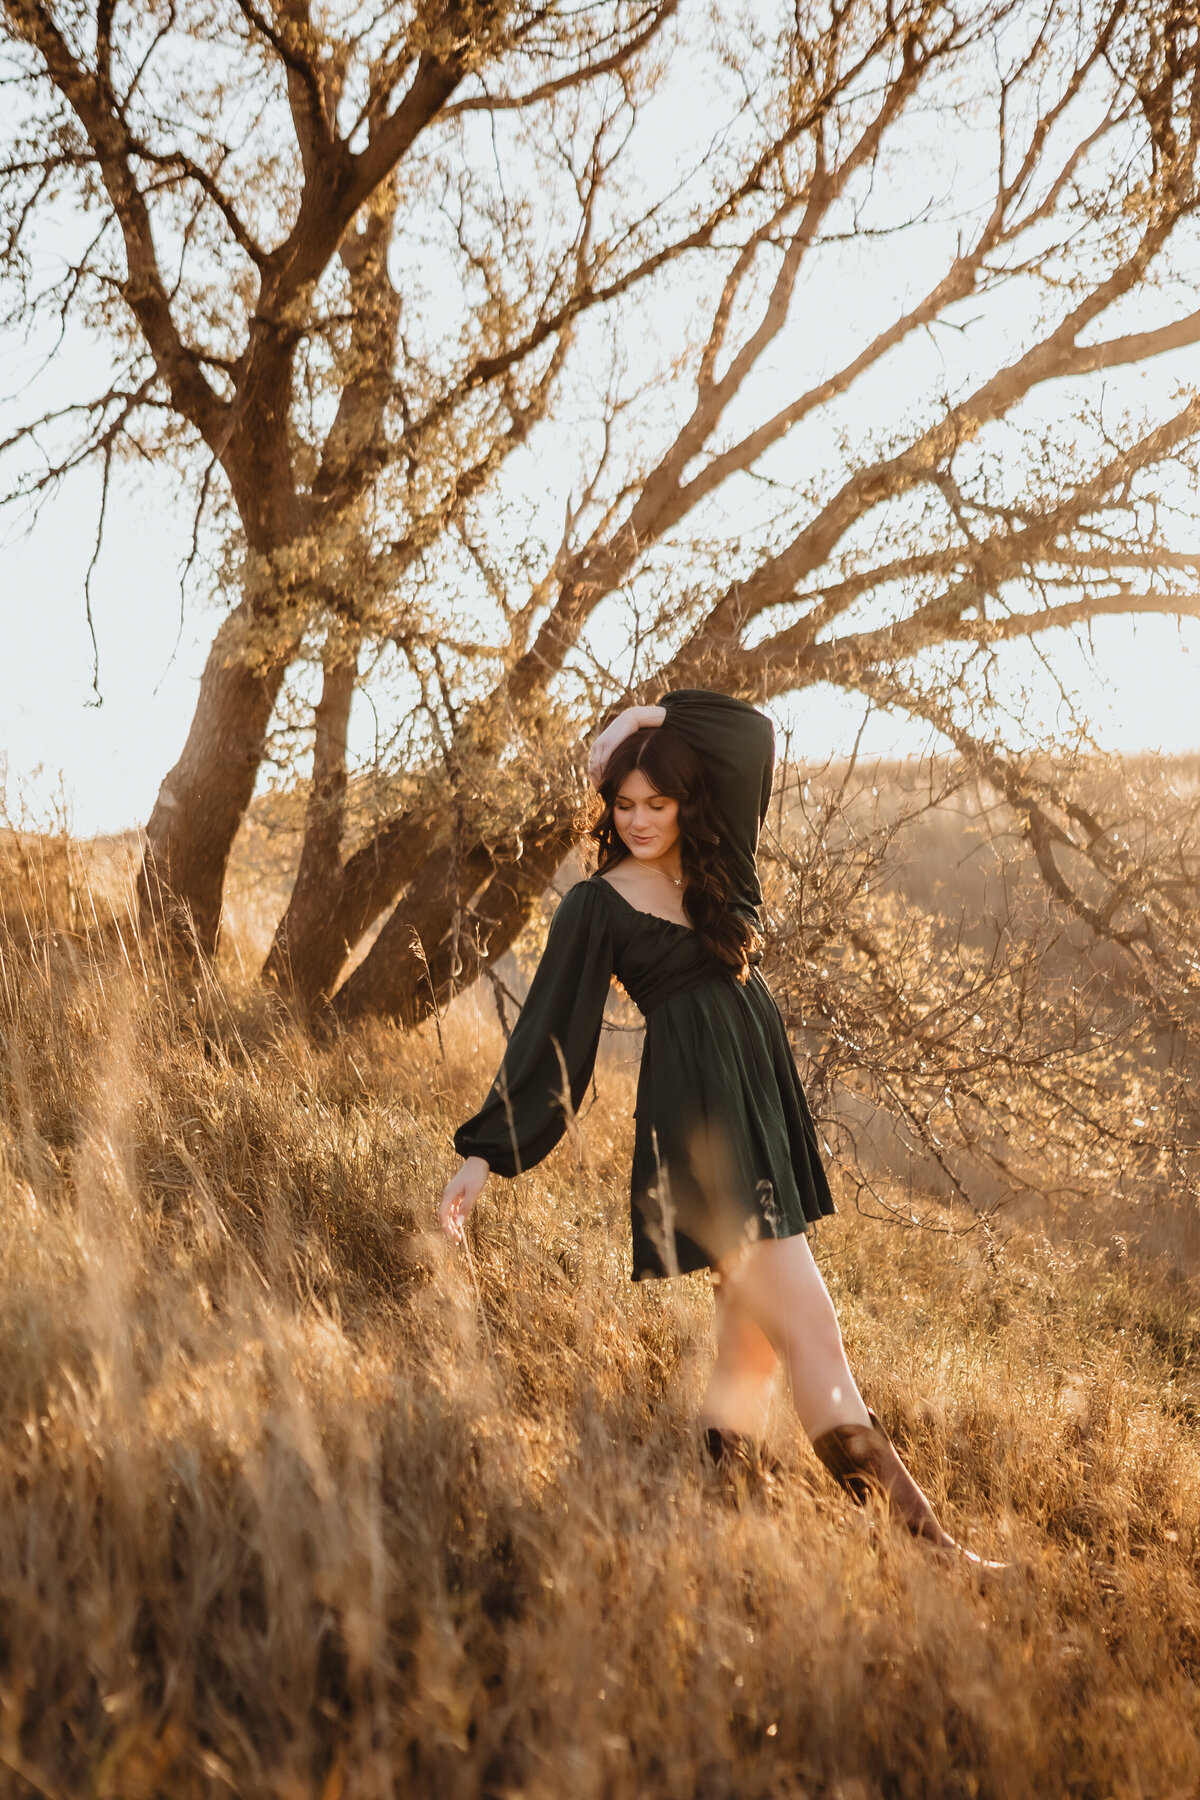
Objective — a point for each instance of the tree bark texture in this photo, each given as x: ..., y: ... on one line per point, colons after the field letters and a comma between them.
x: 309, y: 950
x: 203, y: 799
x: 462, y: 909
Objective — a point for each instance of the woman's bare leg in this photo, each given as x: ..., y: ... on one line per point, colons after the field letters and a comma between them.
x: 739, y: 1388
x: 776, y: 1284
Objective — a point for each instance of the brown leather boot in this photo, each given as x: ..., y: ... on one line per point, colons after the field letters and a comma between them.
x: 734, y: 1452
x: 863, y: 1460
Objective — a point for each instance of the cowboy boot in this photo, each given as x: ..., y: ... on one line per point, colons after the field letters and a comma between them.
x: 863, y: 1460
x: 735, y: 1452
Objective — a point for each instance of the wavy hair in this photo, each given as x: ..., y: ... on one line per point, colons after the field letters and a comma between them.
x: 674, y: 770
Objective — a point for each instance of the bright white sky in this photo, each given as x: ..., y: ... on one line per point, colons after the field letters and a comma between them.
x: 1139, y: 690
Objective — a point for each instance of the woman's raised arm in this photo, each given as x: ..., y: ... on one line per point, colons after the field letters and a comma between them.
x: 736, y: 744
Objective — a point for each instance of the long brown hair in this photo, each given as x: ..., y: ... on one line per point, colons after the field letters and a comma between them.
x: 674, y: 770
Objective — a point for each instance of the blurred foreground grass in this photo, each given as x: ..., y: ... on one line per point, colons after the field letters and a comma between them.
x: 295, y: 1500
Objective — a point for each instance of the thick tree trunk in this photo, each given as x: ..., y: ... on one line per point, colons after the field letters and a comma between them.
x: 204, y: 797
x: 410, y: 847
x: 358, y: 892
x: 309, y: 950
x: 415, y: 954
x: 460, y: 911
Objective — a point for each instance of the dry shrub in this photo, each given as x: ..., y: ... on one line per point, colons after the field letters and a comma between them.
x: 55, y: 887
x: 297, y: 1500
x: 39, y: 885
x: 972, y: 1040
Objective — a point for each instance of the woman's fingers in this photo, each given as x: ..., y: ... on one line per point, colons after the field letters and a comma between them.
x: 600, y: 753
x: 450, y: 1212
x: 632, y: 719
x: 460, y: 1194
x: 606, y: 743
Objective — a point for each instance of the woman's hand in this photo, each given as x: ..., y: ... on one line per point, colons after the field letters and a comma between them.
x: 462, y: 1191
x: 631, y: 720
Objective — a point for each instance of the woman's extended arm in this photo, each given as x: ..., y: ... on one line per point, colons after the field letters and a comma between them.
x: 549, y: 1059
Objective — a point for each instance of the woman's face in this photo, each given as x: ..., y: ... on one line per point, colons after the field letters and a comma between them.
x: 647, y: 822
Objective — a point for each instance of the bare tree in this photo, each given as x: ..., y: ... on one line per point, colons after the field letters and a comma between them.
x: 731, y: 522
x: 1010, y: 509
x: 244, y: 167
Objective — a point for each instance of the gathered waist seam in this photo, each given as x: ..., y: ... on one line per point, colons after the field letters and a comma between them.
x: 678, y: 993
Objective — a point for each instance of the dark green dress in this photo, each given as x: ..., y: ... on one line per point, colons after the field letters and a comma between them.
x: 724, y: 1147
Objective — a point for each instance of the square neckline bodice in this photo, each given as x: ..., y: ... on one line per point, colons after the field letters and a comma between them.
x: 641, y: 911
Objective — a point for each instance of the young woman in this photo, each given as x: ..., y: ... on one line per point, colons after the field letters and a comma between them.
x: 727, y: 1173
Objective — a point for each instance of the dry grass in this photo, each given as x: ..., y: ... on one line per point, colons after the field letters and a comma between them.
x: 294, y: 1500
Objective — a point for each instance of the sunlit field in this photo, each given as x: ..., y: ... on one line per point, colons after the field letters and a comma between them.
x: 299, y: 1500
x: 400, y: 404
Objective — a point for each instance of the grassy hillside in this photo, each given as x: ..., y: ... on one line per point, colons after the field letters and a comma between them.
x: 297, y: 1500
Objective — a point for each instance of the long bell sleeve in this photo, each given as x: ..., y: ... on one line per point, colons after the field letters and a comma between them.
x: 558, y: 1031
x: 736, y: 743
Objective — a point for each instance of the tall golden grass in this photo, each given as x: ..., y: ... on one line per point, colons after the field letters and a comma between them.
x: 295, y: 1499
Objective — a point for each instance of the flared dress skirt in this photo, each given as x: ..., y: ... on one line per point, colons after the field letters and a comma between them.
x: 725, y: 1148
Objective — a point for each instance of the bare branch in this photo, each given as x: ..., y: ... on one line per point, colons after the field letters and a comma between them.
x: 93, y: 103
x: 620, y: 58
